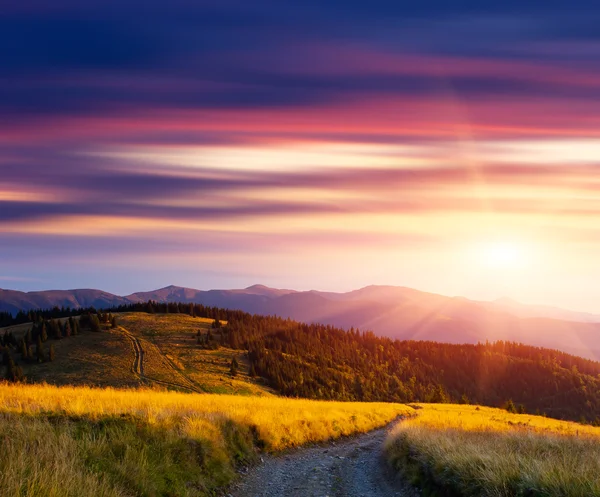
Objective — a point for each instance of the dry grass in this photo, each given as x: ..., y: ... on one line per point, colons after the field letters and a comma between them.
x: 84, y: 441
x: 163, y: 325
x: 170, y: 343
x: 97, y: 359
x: 468, y: 451
x: 172, y: 358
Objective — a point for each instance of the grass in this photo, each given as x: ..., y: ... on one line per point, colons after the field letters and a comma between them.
x: 98, y: 359
x: 81, y: 441
x: 458, y: 450
x: 170, y: 343
x: 172, y: 358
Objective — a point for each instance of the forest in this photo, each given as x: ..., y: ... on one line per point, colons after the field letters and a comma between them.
x: 323, y: 362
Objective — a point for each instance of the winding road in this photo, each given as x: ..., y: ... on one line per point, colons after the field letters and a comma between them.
x: 353, y: 467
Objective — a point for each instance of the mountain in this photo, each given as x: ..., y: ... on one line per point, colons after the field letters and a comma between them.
x: 530, y: 311
x: 396, y: 312
x: 13, y: 301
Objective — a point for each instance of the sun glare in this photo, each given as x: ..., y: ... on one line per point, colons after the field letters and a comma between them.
x: 503, y: 255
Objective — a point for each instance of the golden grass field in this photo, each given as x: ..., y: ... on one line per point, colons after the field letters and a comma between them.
x: 172, y: 354
x: 80, y: 441
x: 471, y: 451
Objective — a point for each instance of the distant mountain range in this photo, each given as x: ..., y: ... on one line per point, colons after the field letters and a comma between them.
x: 397, y: 312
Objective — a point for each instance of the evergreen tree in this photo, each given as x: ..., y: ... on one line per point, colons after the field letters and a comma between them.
x: 39, y: 351
x: 252, y: 371
x: 13, y: 371
x: 94, y: 322
x: 67, y: 329
x: 510, y: 406
x: 359, y: 391
x: 233, y: 368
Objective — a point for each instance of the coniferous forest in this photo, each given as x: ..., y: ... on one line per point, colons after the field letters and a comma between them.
x: 324, y: 362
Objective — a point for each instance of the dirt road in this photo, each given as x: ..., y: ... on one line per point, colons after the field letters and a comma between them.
x: 349, y: 468
x: 138, y: 366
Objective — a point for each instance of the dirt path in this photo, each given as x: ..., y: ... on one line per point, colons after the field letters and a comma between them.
x: 353, y: 467
x: 138, y: 366
x: 138, y: 361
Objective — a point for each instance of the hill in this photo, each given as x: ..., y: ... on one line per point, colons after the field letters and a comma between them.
x: 193, y: 348
x: 395, y: 312
x: 83, y: 442
x: 469, y: 451
x: 175, y: 351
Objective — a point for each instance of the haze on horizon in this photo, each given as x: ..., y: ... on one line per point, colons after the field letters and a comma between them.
x: 307, y: 145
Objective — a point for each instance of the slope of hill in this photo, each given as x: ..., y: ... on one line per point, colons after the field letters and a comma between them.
x: 469, y: 451
x: 84, y: 442
x: 397, y: 312
x: 190, y: 353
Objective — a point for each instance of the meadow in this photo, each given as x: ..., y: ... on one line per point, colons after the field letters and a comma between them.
x: 460, y: 450
x: 173, y: 355
x: 81, y: 441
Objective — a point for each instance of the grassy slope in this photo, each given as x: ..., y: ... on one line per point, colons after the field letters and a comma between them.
x: 78, y: 441
x: 172, y: 358
x: 99, y: 359
x: 173, y: 337
x: 469, y: 451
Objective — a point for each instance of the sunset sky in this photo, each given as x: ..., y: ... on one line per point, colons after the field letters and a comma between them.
x: 451, y: 147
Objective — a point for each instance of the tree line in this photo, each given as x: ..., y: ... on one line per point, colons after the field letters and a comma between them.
x: 326, y: 362
x: 31, y: 347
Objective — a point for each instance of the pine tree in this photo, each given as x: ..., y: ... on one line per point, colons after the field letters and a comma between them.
x: 510, y: 406
x: 13, y: 371
x: 252, y: 371
x: 233, y: 369
x: 67, y: 329
x: 39, y: 351
x: 94, y: 323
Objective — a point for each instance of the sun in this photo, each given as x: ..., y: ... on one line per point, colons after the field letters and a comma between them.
x: 502, y: 255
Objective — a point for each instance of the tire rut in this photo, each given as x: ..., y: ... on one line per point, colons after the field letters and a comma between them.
x: 138, y: 366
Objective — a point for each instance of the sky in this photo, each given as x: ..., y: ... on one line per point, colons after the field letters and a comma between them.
x: 451, y: 147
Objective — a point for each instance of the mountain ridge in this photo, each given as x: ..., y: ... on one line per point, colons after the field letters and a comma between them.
x: 393, y: 311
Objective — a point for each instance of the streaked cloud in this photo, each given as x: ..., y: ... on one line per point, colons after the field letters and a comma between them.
x: 301, y: 143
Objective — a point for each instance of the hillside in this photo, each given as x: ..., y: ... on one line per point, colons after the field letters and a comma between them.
x: 470, y: 451
x: 192, y: 348
x: 82, y: 442
x: 143, y: 350
x: 395, y: 312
